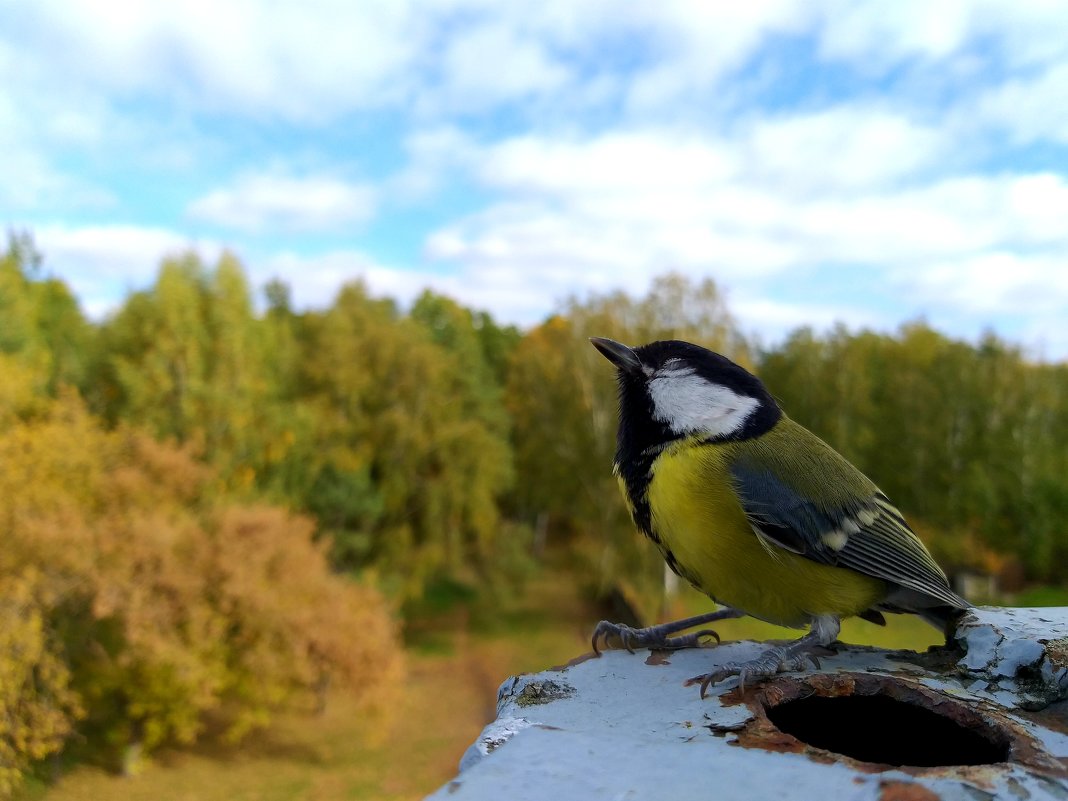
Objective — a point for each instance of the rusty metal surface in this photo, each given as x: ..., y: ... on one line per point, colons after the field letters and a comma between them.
x: 626, y: 726
x: 987, y: 718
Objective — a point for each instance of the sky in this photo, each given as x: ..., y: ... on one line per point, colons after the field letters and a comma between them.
x: 823, y: 161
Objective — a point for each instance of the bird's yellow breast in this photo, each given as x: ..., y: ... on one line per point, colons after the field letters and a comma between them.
x: 699, y: 520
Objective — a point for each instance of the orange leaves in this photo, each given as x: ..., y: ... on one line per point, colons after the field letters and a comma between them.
x: 292, y: 623
x: 126, y: 592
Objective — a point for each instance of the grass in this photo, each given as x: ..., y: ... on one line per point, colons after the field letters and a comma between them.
x: 901, y: 631
x: 1042, y: 596
x: 343, y: 755
x: 456, y: 658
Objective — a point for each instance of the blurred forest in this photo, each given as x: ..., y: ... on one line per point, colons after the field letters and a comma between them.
x: 215, y: 508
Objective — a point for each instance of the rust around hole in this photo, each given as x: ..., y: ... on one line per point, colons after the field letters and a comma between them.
x: 876, y: 698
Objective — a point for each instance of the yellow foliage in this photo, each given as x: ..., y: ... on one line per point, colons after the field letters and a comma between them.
x: 37, y: 706
x: 21, y: 387
x: 126, y: 593
x: 292, y: 624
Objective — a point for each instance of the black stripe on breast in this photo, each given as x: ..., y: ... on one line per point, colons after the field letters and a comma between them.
x: 636, y: 474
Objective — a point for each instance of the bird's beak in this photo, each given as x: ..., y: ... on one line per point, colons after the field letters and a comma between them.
x: 620, y: 355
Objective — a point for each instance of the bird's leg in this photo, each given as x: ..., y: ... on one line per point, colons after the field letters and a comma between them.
x: 657, y: 636
x: 792, y: 656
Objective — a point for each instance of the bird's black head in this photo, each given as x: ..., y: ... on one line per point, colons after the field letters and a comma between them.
x: 672, y: 389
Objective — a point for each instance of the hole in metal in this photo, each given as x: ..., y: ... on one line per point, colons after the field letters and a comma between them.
x: 884, y: 730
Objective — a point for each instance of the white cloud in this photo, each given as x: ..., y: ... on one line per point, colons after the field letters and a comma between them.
x: 843, y: 147
x: 993, y: 283
x: 822, y: 153
x: 875, y: 157
x: 29, y: 178
x: 105, y: 262
x: 1031, y: 109
x: 591, y: 247
x: 315, y: 280
x: 260, y: 203
x: 434, y: 155
x: 881, y: 31
x: 490, y: 63
x: 1024, y: 297
x: 614, y: 162
x: 615, y: 210
x: 67, y: 150
x: 698, y: 44
x: 942, y: 219
x: 772, y: 320
x: 323, y: 59
x: 307, y: 62
x: 876, y: 35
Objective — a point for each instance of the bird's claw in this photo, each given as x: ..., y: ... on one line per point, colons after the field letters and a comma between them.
x: 650, y: 637
x: 777, y: 660
x: 696, y: 638
x: 606, y: 629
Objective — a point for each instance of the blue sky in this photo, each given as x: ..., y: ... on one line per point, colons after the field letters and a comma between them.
x: 863, y: 162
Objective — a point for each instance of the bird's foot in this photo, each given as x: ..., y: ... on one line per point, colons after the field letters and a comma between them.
x: 772, y: 661
x: 659, y: 636
x: 781, y: 659
x: 649, y: 637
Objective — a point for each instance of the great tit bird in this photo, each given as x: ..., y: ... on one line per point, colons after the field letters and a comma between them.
x: 756, y: 511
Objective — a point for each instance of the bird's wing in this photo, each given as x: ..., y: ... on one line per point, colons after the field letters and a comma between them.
x: 868, y: 535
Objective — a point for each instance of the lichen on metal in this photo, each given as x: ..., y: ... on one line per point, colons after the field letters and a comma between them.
x: 627, y: 726
x: 542, y: 692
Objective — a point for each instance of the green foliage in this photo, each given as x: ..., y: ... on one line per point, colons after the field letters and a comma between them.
x: 16, y: 302
x: 1042, y: 596
x: 969, y: 440
x: 40, y: 322
x: 411, y: 450
x: 187, y: 359
x: 388, y: 428
x: 470, y: 347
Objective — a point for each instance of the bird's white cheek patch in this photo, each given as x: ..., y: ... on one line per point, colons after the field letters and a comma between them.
x: 689, y: 404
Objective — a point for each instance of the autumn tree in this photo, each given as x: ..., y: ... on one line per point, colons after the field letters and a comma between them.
x: 40, y: 321
x: 146, y: 607
x: 187, y: 359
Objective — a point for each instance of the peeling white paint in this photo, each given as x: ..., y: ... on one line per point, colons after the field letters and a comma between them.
x: 633, y: 729
x: 1006, y: 648
x: 493, y: 737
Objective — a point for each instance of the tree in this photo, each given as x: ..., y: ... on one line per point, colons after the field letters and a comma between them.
x: 967, y: 439
x: 187, y: 359
x: 411, y: 454
x: 140, y: 606
x: 40, y: 322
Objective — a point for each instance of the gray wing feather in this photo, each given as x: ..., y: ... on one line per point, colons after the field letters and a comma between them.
x: 868, y: 535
